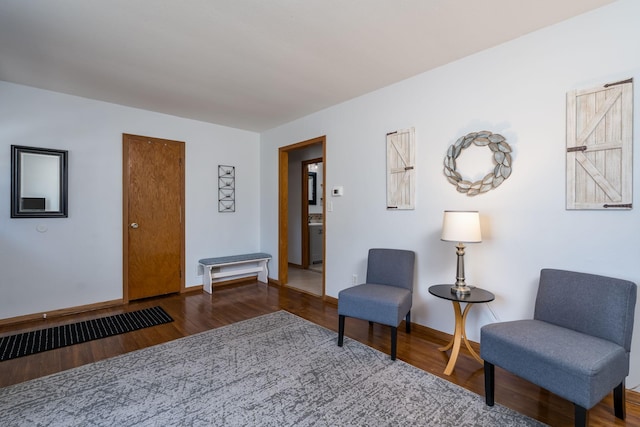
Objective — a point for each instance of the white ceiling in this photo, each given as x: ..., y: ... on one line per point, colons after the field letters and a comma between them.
x: 250, y: 64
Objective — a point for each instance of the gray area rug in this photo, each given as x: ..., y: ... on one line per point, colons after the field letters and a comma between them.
x: 273, y: 370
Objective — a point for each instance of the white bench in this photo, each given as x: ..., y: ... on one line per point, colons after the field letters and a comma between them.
x: 220, y: 269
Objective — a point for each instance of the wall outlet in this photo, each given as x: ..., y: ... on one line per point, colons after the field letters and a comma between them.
x: 354, y: 279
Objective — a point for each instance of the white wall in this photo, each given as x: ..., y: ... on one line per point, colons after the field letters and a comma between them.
x: 78, y: 260
x: 518, y: 90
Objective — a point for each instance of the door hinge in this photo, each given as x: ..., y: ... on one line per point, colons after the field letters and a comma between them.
x: 580, y: 148
x: 622, y: 205
x: 621, y: 82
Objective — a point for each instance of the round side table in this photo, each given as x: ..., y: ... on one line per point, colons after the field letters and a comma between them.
x: 477, y: 295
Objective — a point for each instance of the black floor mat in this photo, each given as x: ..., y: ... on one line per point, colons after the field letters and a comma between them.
x: 41, y: 340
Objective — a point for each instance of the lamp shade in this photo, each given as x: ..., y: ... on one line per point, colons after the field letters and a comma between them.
x: 461, y: 226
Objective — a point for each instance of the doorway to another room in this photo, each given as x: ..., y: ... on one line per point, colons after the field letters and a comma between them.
x: 301, y: 216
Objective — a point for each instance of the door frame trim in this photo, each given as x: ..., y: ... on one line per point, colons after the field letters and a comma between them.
x: 125, y: 213
x: 283, y: 205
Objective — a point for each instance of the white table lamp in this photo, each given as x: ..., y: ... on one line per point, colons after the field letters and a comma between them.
x: 461, y: 227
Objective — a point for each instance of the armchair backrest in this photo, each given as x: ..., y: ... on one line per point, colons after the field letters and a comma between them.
x: 596, y: 305
x: 394, y: 267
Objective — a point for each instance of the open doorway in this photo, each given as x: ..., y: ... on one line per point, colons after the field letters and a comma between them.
x: 301, y: 216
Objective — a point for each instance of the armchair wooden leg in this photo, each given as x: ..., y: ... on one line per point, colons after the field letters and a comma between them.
x: 394, y: 342
x: 340, y: 330
x: 407, y: 321
x: 581, y: 416
x: 619, y: 401
x: 489, y: 383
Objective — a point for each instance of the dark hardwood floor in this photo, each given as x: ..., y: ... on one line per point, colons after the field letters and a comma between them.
x: 198, y: 311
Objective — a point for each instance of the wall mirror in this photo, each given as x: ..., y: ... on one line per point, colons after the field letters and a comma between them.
x: 38, y: 182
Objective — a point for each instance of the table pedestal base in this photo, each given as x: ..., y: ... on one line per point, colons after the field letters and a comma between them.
x: 459, y: 336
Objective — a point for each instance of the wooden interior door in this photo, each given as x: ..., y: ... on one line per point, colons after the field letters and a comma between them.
x: 153, y: 228
x: 304, y: 220
x: 304, y: 215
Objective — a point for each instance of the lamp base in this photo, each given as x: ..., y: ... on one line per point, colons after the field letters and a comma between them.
x: 460, y: 290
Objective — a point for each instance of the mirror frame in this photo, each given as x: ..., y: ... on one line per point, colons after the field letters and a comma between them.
x: 16, y: 168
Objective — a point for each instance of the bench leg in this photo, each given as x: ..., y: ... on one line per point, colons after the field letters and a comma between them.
x: 340, y: 330
x: 489, y: 383
x: 581, y: 416
x: 394, y: 342
x: 619, y: 401
x: 407, y: 321
x: 264, y: 273
x: 206, y: 280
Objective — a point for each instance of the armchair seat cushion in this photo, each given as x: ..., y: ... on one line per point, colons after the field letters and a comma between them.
x: 377, y: 303
x: 576, y: 366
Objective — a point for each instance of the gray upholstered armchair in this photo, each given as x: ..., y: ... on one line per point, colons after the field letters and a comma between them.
x: 387, y: 295
x: 577, y: 345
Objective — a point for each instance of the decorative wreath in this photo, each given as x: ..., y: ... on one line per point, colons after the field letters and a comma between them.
x: 502, y: 170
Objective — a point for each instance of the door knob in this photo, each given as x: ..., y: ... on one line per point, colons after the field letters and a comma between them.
x: 134, y: 225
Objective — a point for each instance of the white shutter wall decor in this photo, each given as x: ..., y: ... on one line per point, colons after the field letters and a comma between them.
x: 599, y: 147
x: 400, y: 169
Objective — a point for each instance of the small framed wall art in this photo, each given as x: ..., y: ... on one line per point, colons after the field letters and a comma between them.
x: 401, y: 157
x: 226, y: 188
